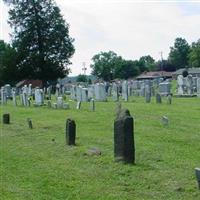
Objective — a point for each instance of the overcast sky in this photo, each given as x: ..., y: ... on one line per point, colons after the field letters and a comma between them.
x: 130, y: 28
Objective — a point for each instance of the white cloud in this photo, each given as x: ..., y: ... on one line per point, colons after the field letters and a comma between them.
x: 129, y: 28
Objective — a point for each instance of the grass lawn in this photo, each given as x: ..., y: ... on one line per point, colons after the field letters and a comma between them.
x: 36, y: 164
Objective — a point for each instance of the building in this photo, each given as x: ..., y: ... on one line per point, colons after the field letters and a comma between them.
x: 195, y: 72
x: 154, y: 75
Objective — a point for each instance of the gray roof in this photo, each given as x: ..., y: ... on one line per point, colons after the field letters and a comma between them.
x: 190, y: 71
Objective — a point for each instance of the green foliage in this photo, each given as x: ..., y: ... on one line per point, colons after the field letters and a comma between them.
x: 8, y: 64
x: 194, y: 56
x: 36, y: 164
x: 165, y: 65
x: 127, y: 69
x: 104, y: 65
x: 146, y: 63
x: 41, y: 38
x: 81, y: 78
x: 179, y: 53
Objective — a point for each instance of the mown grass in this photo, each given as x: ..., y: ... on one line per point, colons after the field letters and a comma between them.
x: 36, y: 164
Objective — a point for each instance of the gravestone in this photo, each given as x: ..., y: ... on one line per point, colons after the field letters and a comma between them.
x: 84, y: 95
x: 79, y: 93
x: 25, y: 95
x: 8, y: 91
x: 165, y: 88
x: 49, y: 92
x: 197, y: 172
x: 92, y: 105
x: 59, y: 102
x: 3, y: 96
x: 38, y: 97
x: 198, y: 87
x: 6, y: 118
x: 158, y: 98
x: 125, y: 90
x: 29, y: 89
x: 147, y: 94
x: 49, y: 103
x: 169, y: 99
x: 189, y: 84
x: 165, y: 121
x: 78, y: 105
x: 180, y: 84
x: 124, y: 148
x: 14, y: 98
x: 73, y: 92
x: 30, y: 125
x: 100, y: 92
x: 115, y: 92
x: 65, y: 106
x: 70, y: 132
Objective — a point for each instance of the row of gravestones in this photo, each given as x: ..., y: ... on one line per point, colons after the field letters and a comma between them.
x: 188, y: 85
x: 125, y: 89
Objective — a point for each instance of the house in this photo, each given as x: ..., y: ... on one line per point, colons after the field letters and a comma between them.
x: 35, y: 83
x: 154, y: 75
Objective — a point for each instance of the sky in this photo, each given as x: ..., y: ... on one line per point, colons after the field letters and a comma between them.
x: 131, y: 28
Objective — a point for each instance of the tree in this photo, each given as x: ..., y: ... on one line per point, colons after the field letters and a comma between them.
x: 104, y: 65
x: 165, y: 65
x: 41, y: 38
x: 81, y: 78
x: 146, y: 63
x: 8, y: 64
x: 178, y: 55
x: 127, y: 69
x: 194, y: 55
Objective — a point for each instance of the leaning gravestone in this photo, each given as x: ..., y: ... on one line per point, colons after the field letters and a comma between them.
x: 124, y: 148
x: 70, y: 132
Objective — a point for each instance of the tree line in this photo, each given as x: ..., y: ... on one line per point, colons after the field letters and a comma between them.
x: 41, y: 48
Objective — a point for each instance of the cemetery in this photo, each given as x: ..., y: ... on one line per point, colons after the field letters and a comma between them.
x: 135, y: 140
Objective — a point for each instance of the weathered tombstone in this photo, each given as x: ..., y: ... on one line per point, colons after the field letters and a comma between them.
x: 92, y: 105
x: 165, y: 88
x: 100, y: 92
x: 79, y: 93
x: 65, y: 106
x: 84, y: 95
x: 70, y: 132
x: 158, y: 98
x: 165, y: 121
x: 3, y: 96
x: 73, y: 92
x: 189, y: 83
x: 30, y: 125
x: 49, y: 103
x: 8, y: 91
x: 169, y: 99
x: 59, y: 102
x: 197, y: 172
x: 14, y: 98
x: 78, y: 106
x: 49, y: 92
x: 6, y: 118
x: 38, y: 97
x: 29, y: 89
x: 55, y: 105
x: 115, y: 92
x: 125, y: 90
x: 147, y: 94
x: 180, y: 84
x: 198, y: 87
x: 124, y: 148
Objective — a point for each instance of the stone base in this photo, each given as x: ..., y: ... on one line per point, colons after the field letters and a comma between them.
x: 185, y: 95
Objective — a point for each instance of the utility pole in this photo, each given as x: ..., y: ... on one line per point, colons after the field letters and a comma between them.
x: 161, y: 55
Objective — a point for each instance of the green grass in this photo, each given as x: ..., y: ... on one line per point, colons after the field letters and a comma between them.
x: 35, y: 167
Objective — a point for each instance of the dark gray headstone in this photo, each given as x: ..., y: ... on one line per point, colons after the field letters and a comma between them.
x: 30, y: 125
x: 124, y: 148
x: 158, y: 98
x: 169, y: 99
x: 6, y: 118
x: 70, y: 132
x: 197, y: 172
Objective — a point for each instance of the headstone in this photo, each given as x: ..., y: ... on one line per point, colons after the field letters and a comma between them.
x: 49, y: 103
x: 29, y: 89
x: 6, y: 118
x: 59, y: 102
x: 169, y: 99
x: 49, y: 92
x: 70, y: 132
x: 147, y: 94
x: 124, y: 148
x: 3, y: 96
x: 165, y: 88
x: 189, y: 84
x: 14, y: 98
x: 55, y: 105
x: 92, y: 105
x: 125, y: 90
x: 78, y: 106
x: 197, y: 172
x: 8, y: 91
x: 115, y: 92
x: 198, y: 87
x: 158, y: 98
x: 100, y: 92
x: 165, y: 121
x: 38, y: 97
x: 65, y: 106
x: 84, y: 95
x: 180, y: 84
x: 30, y: 125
